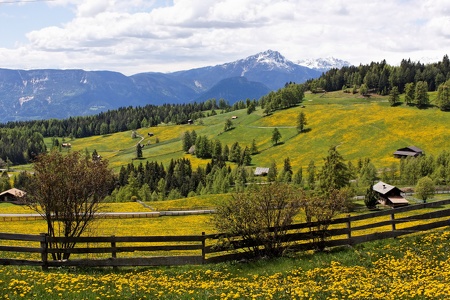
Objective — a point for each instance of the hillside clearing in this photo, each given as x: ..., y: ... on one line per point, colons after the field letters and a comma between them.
x: 362, y: 128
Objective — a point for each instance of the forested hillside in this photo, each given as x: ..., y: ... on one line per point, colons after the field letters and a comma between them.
x: 380, y: 77
x: 412, y: 79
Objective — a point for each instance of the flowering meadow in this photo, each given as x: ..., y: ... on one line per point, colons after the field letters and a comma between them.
x: 361, y: 128
x: 415, y: 267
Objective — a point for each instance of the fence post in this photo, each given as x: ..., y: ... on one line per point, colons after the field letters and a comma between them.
x: 349, y: 227
x: 44, y: 251
x: 113, y: 251
x: 203, y: 247
x: 393, y: 221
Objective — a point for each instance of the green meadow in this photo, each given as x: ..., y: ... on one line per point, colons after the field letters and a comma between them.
x: 360, y: 127
x: 411, y: 267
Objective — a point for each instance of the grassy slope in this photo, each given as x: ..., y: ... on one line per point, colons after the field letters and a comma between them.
x: 360, y: 127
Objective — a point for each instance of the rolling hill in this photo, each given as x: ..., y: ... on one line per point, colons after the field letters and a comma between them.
x: 360, y: 127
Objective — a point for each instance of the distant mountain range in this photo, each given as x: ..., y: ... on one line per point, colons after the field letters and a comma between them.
x: 323, y: 64
x: 46, y: 94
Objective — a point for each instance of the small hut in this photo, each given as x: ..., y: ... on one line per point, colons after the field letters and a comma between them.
x: 12, y: 195
x: 389, y: 195
x: 410, y: 151
x: 259, y: 171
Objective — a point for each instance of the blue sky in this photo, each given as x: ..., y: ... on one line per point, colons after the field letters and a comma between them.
x: 132, y: 36
x: 19, y: 18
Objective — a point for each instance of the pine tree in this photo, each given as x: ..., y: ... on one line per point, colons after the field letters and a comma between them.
x: 272, y: 174
x: 409, y: 93
x: 276, y: 136
x: 298, y: 177
x: 226, y: 152
x: 421, y: 94
x: 217, y: 149
x: 311, y: 175
x: 287, y: 168
x: 254, y: 148
x: 228, y: 125
x: 394, y: 96
x: 139, y: 150
x: 363, y: 90
x: 334, y: 174
x: 187, y: 141
x: 301, y: 122
x: 443, y: 98
x: 367, y: 173
x: 371, y: 198
x: 246, y: 159
x: 235, y: 153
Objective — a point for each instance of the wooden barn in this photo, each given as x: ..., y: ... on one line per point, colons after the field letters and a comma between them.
x: 389, y: 195
x: 12, y: 195
x: 259, y: 171
x: 410, y: 151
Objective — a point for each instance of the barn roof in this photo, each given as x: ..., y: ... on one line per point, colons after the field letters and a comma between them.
x: 15, y: 192
x: 415, y: 149
x: 405, y: 153
x: 383, y: 188
x: 261, y: 171
x: 398, y: 200
x: 409, y: 151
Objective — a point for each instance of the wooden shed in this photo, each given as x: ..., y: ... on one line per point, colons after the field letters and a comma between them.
x: 410, y: 151
x: 259, y: 171
x: 12, y: 195
x: 389, y: 195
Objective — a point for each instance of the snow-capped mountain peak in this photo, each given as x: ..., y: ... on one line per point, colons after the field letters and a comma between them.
x: 323, y: 64
x: 268, y: 59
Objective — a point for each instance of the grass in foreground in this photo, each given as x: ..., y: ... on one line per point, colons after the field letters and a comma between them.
x: 415, y: 267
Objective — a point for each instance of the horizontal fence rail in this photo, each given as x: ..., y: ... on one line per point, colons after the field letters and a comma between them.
x: 116, y: 215
x: 117, y: 251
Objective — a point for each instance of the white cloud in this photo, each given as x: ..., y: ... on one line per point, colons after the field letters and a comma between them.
x: 141, y: 35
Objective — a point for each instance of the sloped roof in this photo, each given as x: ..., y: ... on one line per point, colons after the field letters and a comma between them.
x: 411, y: 149
x: 383, y: 188
x: 415, y: 149
x: 15, y: 192
x: 405, y: 153
x: 398, y: 200
x: 261, y: 171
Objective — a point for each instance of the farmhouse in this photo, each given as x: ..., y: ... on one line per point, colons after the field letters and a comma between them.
x: 389, y: 195
x: 411, y: 151
x: 12, y: 195
x: 259, y: 171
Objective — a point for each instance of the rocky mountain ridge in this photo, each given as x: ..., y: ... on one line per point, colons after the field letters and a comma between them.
x: 46, y: 94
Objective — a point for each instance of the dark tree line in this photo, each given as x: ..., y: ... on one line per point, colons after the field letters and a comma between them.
x: 202, y: 147
x: 292, y: 94
x: 153, y: 181
x: 380, y: 78
x: 21, y: 141
x: 112, y: 121
x: 437, y: 168
x: 19, y: 146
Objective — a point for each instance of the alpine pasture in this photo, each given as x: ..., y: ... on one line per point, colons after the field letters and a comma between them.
x: 413, y: 267
x: 360, y: 127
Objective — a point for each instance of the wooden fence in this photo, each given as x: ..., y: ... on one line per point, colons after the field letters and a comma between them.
x: 116, y: 251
